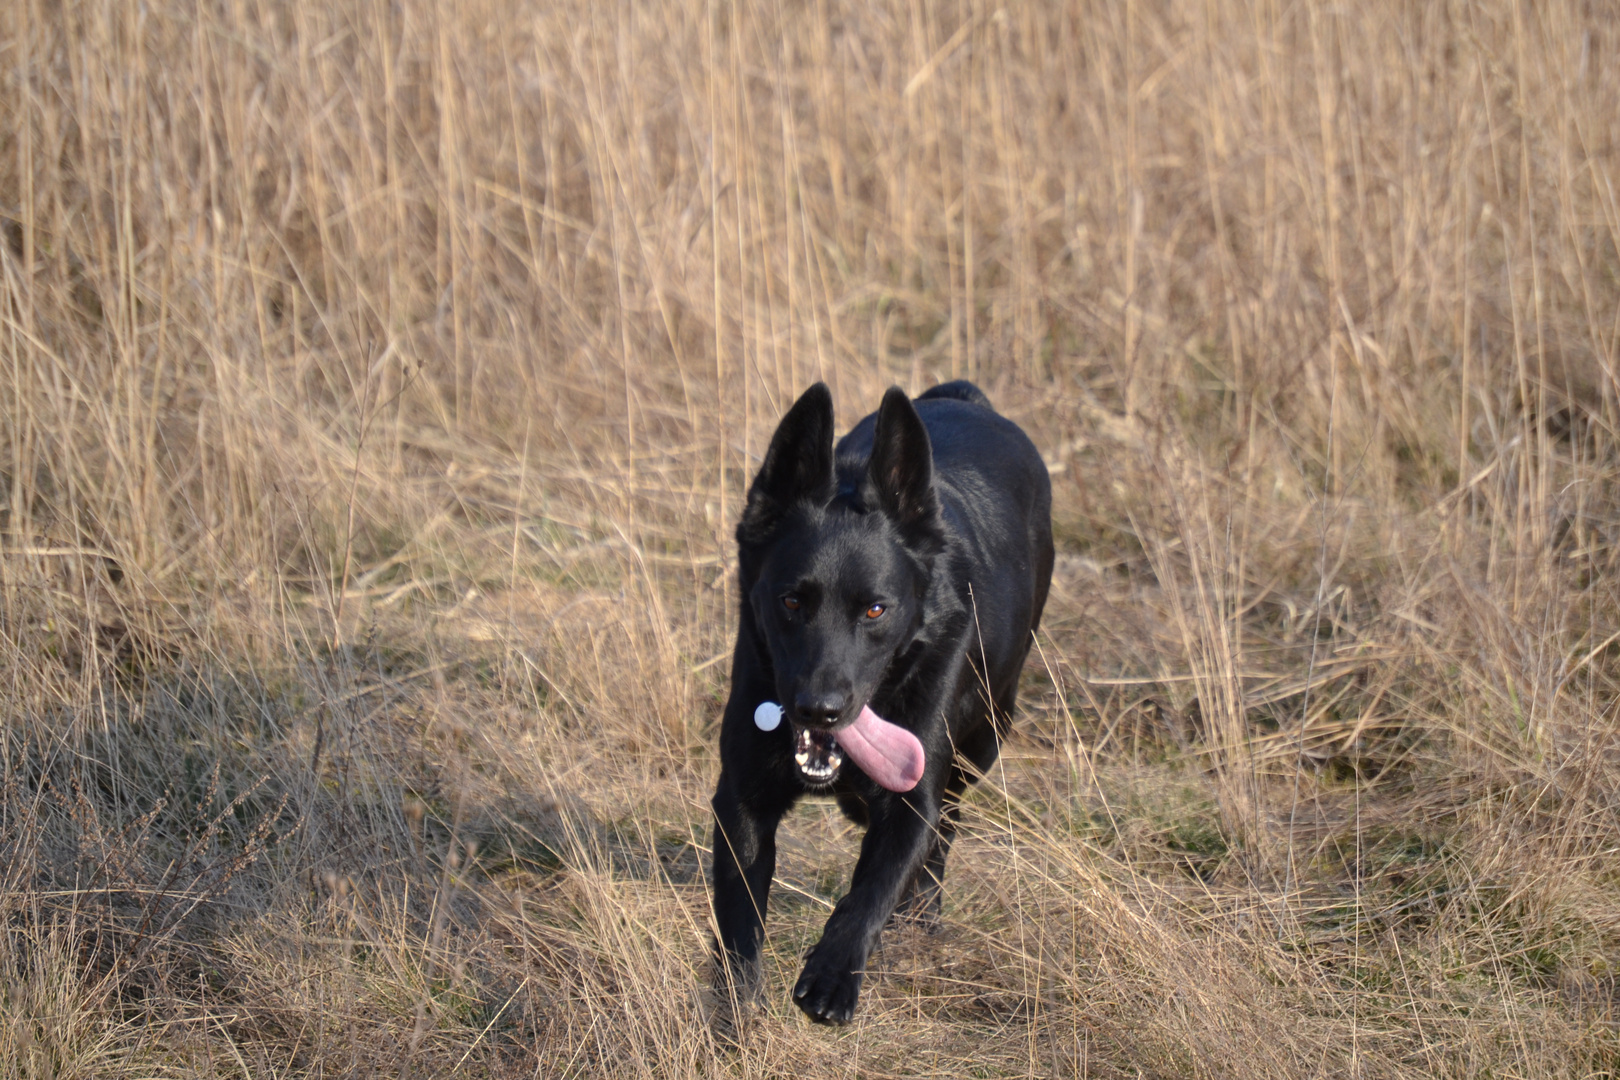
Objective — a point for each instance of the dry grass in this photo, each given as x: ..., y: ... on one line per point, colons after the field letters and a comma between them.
x: 380, y: 383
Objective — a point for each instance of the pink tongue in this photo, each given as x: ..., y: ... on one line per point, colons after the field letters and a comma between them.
x: 886, y: 752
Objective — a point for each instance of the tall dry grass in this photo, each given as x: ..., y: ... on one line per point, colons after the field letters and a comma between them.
x: 381, y: 383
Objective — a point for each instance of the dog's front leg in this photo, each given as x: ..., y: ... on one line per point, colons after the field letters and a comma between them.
x: 902, y: 827
x: 744, y: 847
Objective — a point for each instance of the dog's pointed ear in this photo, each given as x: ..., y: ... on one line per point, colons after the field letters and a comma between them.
x: 798, y: 465
x: 900, y: 476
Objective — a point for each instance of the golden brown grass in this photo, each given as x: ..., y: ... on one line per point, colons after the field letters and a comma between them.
x: 381, y: 380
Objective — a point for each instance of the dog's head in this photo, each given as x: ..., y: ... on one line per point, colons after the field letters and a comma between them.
x: 836, y: 579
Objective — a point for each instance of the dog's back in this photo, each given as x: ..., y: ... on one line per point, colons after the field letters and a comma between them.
x: 997, y: 497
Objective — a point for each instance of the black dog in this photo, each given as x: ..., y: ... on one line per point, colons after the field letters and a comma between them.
x: 900, y: 577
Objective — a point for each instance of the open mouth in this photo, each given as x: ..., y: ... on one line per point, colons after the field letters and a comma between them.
x: 817, y: 755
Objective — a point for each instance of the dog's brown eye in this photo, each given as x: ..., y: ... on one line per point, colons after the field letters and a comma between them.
x: 791, y: 603
x: 875, y: 611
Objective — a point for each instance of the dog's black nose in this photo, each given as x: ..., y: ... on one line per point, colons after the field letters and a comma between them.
x: 819, y: 710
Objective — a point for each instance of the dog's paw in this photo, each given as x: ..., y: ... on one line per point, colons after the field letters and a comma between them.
x: 918, y: 909
x: 733, y: 996
x: 729, y: 1021
x: 827, y: 991
x: 729, y: 1015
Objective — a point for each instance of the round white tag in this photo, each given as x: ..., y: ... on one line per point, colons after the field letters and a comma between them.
x: 767, y: 716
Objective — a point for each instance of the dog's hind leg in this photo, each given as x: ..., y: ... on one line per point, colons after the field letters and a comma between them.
x: 922, y: 901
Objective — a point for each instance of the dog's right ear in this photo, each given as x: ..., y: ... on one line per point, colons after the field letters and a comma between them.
x: 798, y: 465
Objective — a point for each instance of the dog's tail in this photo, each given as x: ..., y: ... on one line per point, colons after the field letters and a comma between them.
x: 957, y: 390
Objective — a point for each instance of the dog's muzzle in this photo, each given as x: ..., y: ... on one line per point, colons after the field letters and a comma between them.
x: 817, y: 755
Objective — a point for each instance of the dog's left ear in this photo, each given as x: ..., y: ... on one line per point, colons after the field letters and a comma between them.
x: 900, y: 476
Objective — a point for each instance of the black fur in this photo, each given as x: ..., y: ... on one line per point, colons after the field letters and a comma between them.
x: 940, y: 511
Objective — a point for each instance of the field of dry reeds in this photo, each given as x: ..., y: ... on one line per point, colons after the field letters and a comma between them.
x: 379, y: 382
